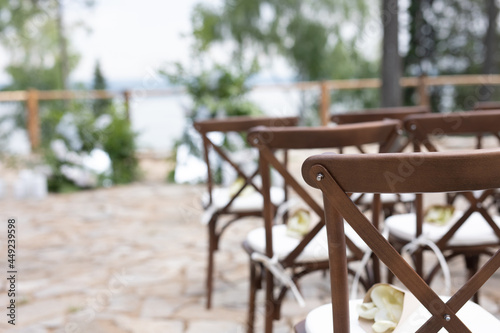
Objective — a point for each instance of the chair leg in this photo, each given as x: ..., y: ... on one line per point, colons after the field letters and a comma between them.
x: 254, y: 282
x: 472, y: 263
x: 212, y: 246
x: 269, y: 310
x: 388, y: 210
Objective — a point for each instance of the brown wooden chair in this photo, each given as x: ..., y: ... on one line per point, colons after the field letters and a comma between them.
x: 299, y: 257
x: 389, y: 202
x: 486, y: 106
x: 233, y: 203
x: 469, y: 233
x: 337, y: 175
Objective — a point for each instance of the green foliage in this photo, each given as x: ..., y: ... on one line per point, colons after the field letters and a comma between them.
x: 99, y: 105
x: 219, y: 91
x: 216, y: 92
x: 35, y: 43
x: 110, y: 132
x: 320, y: 39
x: 119, y: 142
x: 40, y: 57
x: 57, y: 182
x: 310, y: 34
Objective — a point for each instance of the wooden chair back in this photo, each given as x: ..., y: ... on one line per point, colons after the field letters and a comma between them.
x: 422, y: 128
x: 270, y: 139
x: 234, y: 124
x: 338, y: 175
x: 423, y: 131
x: 367, y: 115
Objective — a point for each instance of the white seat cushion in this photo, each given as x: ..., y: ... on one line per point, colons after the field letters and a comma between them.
x: 472, y: 315
x: 473, y: 232
x: 316, y: 250
x: 320, y: 319
x: 367, y: 198
x: 250, y: 201
x: 247, y: 201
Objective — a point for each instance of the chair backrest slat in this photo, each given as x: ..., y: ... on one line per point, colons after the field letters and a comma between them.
x: 421, y: 127
x: 413, y: 173
x: 378, y: 114
x: 241, y: 124
x: 324, y: 137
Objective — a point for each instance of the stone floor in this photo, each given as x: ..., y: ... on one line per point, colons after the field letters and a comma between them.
x: 125, y: 259
x: 132, y: 259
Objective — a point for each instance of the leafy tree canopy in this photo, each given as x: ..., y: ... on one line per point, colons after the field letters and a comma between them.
x: 318, y: 37
x: 31, y: 35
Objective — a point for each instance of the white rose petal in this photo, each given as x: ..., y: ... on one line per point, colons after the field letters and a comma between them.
x: 367, y: 310
x: 385, y: 309
x: 383, y: 326
x: 390, y: 301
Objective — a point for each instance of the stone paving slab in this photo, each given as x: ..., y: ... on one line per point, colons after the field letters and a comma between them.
x: 132, y: 259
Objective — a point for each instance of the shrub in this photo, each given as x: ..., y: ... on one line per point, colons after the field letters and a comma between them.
x: 85, y: 150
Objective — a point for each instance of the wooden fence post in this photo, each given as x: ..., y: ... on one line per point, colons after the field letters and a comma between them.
x: 325, y: 104
x: 33, y: 121
x: 422, y: 90
x: 126, y: 98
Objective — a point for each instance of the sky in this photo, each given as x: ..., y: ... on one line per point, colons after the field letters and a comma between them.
x: 130, y: 38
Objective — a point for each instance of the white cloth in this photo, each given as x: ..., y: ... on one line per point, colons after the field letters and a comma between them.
x: 476, y: 318
x: 474, y: 231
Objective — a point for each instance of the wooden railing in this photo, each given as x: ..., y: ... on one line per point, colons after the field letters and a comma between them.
x: 32, y: 97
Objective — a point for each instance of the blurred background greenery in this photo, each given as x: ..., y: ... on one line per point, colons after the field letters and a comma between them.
x: 315, y: 39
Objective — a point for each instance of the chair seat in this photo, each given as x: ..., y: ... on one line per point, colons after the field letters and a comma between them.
x: 250, y: 201
x: 475, y: 231
x: 320, y: 319
x: 316, y: 250
x: 246, y: 201
x: 472, y: 315
x: 367, y: 198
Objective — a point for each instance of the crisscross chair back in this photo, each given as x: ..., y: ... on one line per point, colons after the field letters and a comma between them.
x: 271, y: 139
x: 424, y: 131
x: 424, y: 128
x: 338, y: 175
x: 378, y: 114
x: 235, y: 124
x: 223, y: 202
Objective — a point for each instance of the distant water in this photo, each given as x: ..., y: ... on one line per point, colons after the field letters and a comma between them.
x: 161, y: 120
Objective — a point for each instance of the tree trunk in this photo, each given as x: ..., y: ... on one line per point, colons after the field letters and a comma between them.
x: 490, y: 65
x: 391, y: 61
x: 491, y: 39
